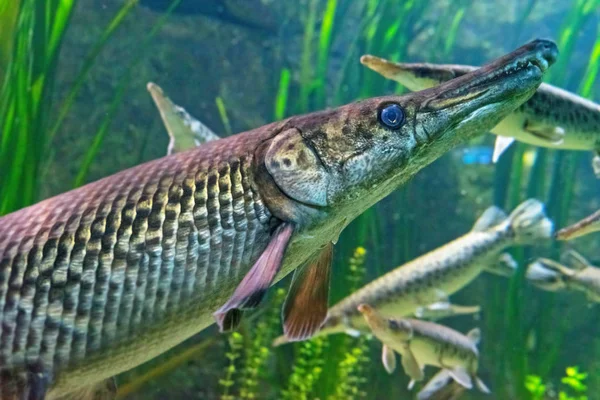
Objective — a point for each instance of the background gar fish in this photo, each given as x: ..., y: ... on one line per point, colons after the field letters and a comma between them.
x: 443, y: 271
x: 102, y: 278
x: 589, y: 224
x: 185, y: 132
x: 424, y: 343
x: 552, y: 276
x: 552, y: 117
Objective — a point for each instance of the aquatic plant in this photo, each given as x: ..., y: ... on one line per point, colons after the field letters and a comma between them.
x: 535, y: 386
x: 307, y: 369
x: 259, y: 348
x: 34, y: 33
x: 236, y: 345
x: 574, y: 386
x: 26, y: 95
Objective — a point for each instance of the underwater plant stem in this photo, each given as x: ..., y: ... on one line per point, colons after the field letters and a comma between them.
x: 89, y: 63
x: 169, y: 365
x: 122, y: 87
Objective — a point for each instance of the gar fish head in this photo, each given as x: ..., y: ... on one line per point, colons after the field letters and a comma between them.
x: 361, y: 152
x: 543, y: 274
x: 388, y: 331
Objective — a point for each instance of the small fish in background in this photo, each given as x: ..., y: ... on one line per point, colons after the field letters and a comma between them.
x: 422, y: 343
x: 185, y: 132
x: 552, y: 117
x: 579, y: 275
x: 475, y: 155
x: 434, y: 276
x: 228, y: 11
x: 581, y: 228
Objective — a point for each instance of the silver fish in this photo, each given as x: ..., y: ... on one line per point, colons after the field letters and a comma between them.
x: 422, y: 343
x: 446, y: 270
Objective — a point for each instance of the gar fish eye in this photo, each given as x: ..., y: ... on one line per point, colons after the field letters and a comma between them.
x: 391, y: 116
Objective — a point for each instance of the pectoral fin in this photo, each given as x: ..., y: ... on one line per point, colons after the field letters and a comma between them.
x: 574, y: 260
x: 461, y: 376
x: 411, y: 365
x: 388, y: 358
x: 305, y: 308
x: 502, y: 143
x: 439, y: 381
x: 552, y: 134
x: 251, y: 290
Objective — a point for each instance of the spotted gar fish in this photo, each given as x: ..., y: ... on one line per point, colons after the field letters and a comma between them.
x: 579, y: 276
x: 424, y: 343
x: 589, y: 224
x: 445, y: 270
x: 100, y: 279
x: 552, y: 117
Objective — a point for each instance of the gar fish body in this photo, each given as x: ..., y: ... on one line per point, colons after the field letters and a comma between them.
x: 589, y: 224
x: 552, y: 117
x: 444, y: 271
x: 422, y: 343
x: 100, y: 279
x: 582, y: 276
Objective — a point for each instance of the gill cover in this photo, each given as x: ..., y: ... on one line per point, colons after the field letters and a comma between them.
x: 296, y: 169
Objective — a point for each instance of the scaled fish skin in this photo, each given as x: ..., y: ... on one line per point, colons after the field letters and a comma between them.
x: 424, y: 343
x: 553, y: 276
x: 100, y: 279
x: 444, y: 271
x: 584, y: 227
x: 552, y: 117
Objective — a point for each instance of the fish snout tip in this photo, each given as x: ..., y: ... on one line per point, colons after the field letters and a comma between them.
x: 546, y: 52
x: 365, y: 309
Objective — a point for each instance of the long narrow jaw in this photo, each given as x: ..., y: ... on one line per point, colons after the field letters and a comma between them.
x: 582, y: 228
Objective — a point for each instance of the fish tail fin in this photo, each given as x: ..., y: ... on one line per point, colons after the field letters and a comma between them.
x: 529, y: 222
x: 490, y: 217
x: 505, y: 265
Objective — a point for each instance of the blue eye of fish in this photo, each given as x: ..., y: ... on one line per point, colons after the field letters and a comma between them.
x: 392, y: 116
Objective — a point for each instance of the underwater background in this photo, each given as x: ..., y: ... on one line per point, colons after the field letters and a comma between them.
x: 74, y: 108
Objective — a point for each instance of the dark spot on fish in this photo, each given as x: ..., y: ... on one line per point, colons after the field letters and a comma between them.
x: 291, y: 146
x: 346, y: 130
x: 224, y: 170
x: 235, y: 165
x: 212, y: 180
x: 287, y: 162
x: 275, y: 164
x: 385, y: 138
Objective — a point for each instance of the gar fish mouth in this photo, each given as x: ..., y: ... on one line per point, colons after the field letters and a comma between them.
x: 519, y: 71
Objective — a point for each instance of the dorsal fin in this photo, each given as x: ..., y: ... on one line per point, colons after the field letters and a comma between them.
x: 574, y: 260
x: 490, y: 217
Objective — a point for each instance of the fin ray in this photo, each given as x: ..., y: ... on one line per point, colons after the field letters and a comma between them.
x: 305, y: 307
x: 252, y: 288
